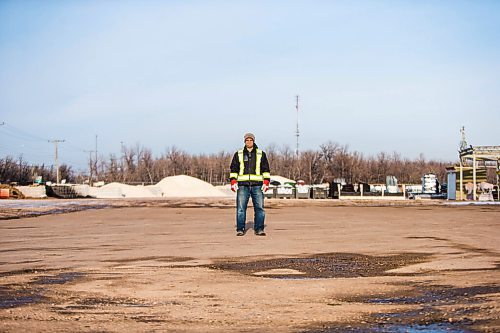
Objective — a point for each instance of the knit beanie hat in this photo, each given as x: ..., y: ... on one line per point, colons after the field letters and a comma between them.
x: 249, y: 135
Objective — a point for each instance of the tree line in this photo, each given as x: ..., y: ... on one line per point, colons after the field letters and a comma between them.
x: 136, y: 164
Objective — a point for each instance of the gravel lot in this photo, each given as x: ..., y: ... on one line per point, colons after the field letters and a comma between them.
x: 176, y: 265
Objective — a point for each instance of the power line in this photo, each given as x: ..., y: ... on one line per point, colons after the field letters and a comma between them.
x: 21, y: 133
x: 17, y: 141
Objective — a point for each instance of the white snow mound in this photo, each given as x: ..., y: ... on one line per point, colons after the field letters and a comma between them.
x: 282, y: 180
x: 118, y: 190
x: 187, y: 186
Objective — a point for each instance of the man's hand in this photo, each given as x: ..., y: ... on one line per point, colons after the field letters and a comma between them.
x: 234, y: 185
x: 265, y: 186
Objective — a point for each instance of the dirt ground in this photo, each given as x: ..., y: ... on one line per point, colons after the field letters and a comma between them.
x: 176, y: 265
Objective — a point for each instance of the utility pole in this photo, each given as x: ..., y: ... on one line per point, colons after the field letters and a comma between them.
x: 297, y: 132
x: 90, y: 165
x: 55, y: 142
x: 122, y: 153
x: 122, y: 164
x: 96, y: 173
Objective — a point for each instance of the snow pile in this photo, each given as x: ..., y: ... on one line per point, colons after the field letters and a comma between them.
x: 32, y: 191
x: 186, y: 186
x: 175, y: 186
x: 282, y: 180
x: 82, y: 190
x: 226, y: 189
x: 118, y: 190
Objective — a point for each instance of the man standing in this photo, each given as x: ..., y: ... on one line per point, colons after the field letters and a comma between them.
x: 250, y: 176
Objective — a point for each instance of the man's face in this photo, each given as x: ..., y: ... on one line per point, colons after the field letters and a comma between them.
x: 249, y: 143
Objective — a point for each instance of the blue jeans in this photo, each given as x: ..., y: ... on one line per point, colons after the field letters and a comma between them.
x: 243, y: 195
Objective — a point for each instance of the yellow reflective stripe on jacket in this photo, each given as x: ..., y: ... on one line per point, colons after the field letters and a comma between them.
x: 266, y: 175
x: 257, y: 177
x: 233, y: 175
x: 258, y: 152
x: 254, y: 178
x: 242, y: 163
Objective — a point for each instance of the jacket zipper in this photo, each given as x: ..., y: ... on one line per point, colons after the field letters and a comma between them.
x: 249, y: 163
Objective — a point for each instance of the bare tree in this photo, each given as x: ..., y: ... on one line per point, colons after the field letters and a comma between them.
x: 332, y: 160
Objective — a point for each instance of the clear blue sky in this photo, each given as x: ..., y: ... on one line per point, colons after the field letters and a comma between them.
x: 377, y: 75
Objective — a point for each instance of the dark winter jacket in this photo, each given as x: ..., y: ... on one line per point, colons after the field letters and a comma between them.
x: 250, y: 160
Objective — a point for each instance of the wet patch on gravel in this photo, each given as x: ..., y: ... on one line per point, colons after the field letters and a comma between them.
x: 325, y: 265
x: 436, y: 309
x: 61, y: 278
x: 398, y: 328
x: 15, y: 295
x: 155, y: 258
x: 26, y: 271
x: 37, y: 289
x: 12, y: 296
x: 77, y: 307
x: 86, y: 303
x: 34, y: 208
x: 16, y: 213
x: 439, y: 295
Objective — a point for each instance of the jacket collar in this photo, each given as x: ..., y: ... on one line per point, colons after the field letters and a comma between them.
x: 254, y: 148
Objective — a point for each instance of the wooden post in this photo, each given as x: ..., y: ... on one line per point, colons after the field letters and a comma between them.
x: 338, y: 187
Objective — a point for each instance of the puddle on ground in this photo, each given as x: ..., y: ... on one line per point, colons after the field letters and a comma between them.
x: 430, y: 315
x: 17, y: 209
x: 88, y: 303
x: 58, y: 279
x: 325, y: 265
x: 19, y: 213
x: 155, y: 258
x: 431, y: 328
x: 12, y: 296
x: 439, y: 295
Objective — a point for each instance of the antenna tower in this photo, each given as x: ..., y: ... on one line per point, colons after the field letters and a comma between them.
x: 463, y: 142
x: 297, y: 131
